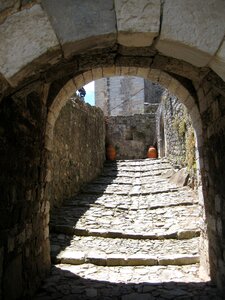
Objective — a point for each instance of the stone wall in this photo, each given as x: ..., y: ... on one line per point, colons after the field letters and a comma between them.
x: 131, y: 135
x: 78, y: 149
x: 175, y: 133
x: 24, y: 212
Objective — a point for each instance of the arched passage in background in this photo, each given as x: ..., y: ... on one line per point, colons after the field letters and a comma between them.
x: 188, y: 98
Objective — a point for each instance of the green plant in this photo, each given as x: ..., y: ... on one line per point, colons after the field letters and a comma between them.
x: 180, y: 125
x: 190, y: 150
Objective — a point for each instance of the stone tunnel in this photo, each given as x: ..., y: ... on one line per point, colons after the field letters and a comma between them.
x: 48, y: 50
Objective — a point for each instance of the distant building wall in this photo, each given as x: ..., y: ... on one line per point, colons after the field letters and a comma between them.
x: 122, y: 95
x: 127, y: 95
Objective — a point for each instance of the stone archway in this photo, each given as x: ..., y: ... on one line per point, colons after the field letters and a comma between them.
x: 175, y: 39
x: 173, y: 85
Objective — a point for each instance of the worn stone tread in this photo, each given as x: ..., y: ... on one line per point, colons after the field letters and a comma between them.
x: 160, y: 221
x: 87, y: 281
x: 131, y: 234
x: 106, y: 251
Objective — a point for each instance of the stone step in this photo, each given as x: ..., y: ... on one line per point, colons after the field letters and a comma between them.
x: 89, y: 281
x: 124, y: 252
x: 160, y: 222
x: 183, y: 196
x: 180, y: 234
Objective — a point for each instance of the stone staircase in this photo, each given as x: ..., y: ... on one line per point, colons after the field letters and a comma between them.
x: 130, y: 234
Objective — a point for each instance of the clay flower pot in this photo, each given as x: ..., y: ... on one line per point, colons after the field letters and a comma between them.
x: 152, y: 152
x: 110, y: 152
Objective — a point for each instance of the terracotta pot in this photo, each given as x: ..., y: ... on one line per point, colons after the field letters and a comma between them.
x: 110, y: 152
x: 152, y: 152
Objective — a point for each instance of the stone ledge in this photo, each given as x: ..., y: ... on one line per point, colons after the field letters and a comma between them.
x: 76, y: 258
x: 181, y: 234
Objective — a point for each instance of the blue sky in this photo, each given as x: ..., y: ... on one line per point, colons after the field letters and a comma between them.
x: 90, y: 93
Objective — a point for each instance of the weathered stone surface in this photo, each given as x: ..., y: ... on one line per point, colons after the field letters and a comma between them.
x: 151, y: 283
x: 71, y: 257
x: 123, y: 251
x: 175, y: 135
x: 25, y: 37
x: 137, y: 22
x: 178, y: 260
x: 180, y: 178
x: 82, y: 26
x: 135, y: 296
x: 78, y: 153
x: 190, y: 31
x: 218, y: 62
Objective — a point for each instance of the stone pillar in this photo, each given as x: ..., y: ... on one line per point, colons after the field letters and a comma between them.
x: 24, y: 213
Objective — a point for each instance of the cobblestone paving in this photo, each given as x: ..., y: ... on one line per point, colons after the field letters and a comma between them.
x: 131, y: 234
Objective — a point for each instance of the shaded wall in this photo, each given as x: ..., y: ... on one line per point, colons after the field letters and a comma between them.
x: 131, y: 135
x: 24, y: 213
x: 78, y: 149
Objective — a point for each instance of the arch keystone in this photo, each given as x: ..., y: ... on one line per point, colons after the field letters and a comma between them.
x: 137, y: 22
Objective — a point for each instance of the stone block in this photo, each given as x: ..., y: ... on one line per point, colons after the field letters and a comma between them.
x: 79, y: 81
x: 97, y: 73
x: 135, y: 296
x: 180, y: 178
x: 116, y: 260
x: 88, y: 77
x: 108, y: 72
x: 96, y: 258
x: 190, y: 31
x: 26, y: 36
x: 141, y: 260
x: 71, y: 257
x: 91, y: 293
x: 82, y: 25
x: 218, y: 62
x: 178, y: 260
x: 70, y: 88
x: 137, y: 22
x: 164, y: 79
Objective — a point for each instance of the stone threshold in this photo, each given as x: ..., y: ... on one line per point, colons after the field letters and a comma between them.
x: 181, y: 234
x: 78, y: 257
